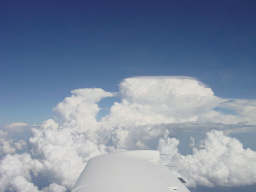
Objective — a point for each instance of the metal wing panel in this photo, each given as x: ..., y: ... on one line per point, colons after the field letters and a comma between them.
x: 132, y: 171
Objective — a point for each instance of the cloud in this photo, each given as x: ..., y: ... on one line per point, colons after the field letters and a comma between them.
x: 63, y: 151
x: 80, y: 109
x: 192, y: 142
x: 151, y: 110
x: 19, y: 124
x: 20, y: 145
x: 20, y: 184
x: 16, y: 127
x: 6, y: 146
x: 3, y: 133
x: 219, y: 160
x: 55, y: 187
x: 245, y: 110
x: 9, y: 147
x: 154, y: 100
x: 16, y: 172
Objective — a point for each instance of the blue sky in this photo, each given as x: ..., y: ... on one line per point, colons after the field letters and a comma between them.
x: 49, y: 48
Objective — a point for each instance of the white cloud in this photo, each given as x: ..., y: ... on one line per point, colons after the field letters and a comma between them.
x: 80, y: 109
x: 20, y: 144
x: 150, y: 108
x: 192, y: 142
x: 63, y: 152
x: 155, y: 100
x: 16, y: 172
x: 3, y: 133
x: 19, y: 124
x: 16, y: 127
x: 6, y: 147
x: 55, y: 187
x: 219, y: 160
x: 245, y: 109
x: 20, y: 184
x: 9, y: 147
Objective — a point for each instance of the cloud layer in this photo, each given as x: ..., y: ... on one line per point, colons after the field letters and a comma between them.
x: 151, y: 110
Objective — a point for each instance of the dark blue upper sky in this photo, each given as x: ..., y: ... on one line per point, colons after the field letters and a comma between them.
x: 48, y: 48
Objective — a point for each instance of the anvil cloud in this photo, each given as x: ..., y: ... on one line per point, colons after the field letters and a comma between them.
x: 151, y: 109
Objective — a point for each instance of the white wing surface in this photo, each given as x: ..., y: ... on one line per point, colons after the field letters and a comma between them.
x: 131, y: 171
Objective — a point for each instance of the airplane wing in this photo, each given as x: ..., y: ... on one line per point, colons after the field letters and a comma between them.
x: 131, y: 171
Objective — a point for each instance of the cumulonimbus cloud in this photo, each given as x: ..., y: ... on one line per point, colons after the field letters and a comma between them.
x: 155, y: 100
x: 150, y: 108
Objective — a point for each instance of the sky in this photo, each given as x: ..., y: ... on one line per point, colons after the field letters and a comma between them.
x: 125, y: 75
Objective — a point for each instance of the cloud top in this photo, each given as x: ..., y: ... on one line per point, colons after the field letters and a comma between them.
x: 154, y: 100
x: 81, y: 108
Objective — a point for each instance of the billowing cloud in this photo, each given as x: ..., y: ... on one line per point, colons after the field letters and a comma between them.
x: 6, y: 146
x: 16, y: 172
x: 151, y: 110
x: 80, y: 109
x: 155, y: 100
x: 9, y: 146
x: 218, y: 160
x: 63, y: 152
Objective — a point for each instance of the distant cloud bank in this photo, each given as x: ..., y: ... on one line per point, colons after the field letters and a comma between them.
x: 151, y: 109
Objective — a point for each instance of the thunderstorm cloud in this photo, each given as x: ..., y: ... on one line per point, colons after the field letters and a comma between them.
x: 151, y: 111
